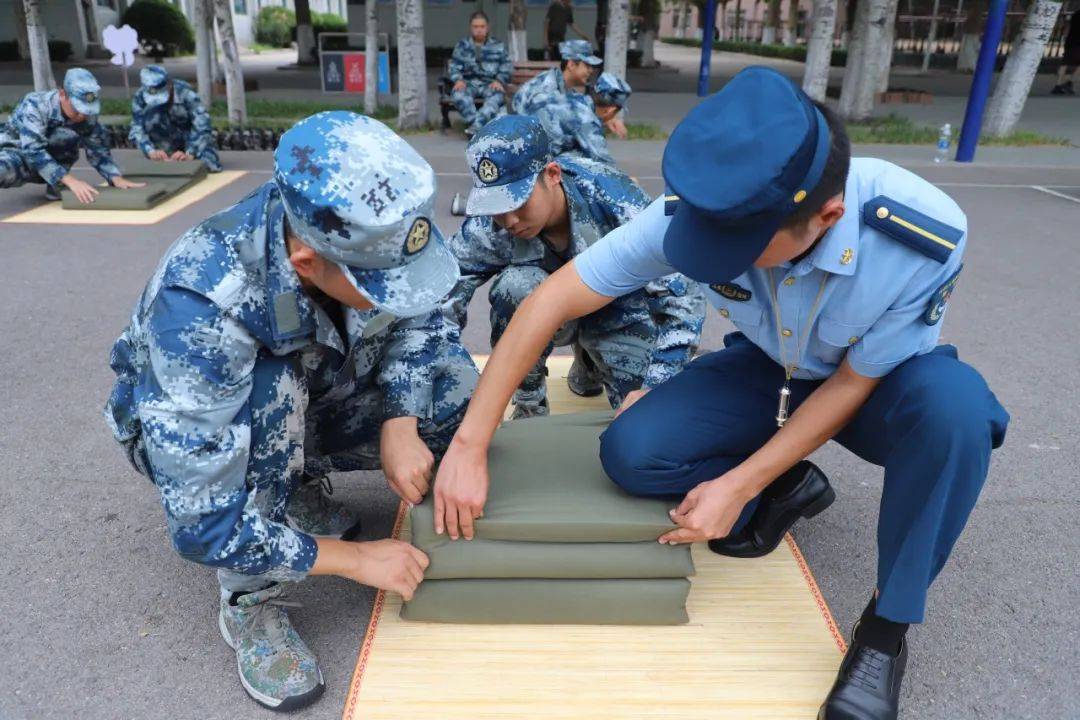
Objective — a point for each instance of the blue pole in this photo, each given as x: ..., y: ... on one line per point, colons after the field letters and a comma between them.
x: 706, y: 48
x: 980, y: 83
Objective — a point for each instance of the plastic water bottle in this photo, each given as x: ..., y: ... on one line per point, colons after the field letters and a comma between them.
x: 944, y: 138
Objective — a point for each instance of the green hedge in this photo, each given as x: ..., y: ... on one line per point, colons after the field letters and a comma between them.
x: 158, y: 22
x: 797, y: 53
x: 275, y: 26
x: 59, y: 50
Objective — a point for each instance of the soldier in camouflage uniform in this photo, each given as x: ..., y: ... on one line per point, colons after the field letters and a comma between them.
x: 288, y: 335
x: 575, y: 124
x: 552, y: 86
x: 480, y: 68
x: 42, y: 137
x: 529, y: 215
x: 169, y: 122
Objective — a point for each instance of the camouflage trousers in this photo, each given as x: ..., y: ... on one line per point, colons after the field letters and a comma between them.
x: 14, y: 171
x: 618, y: 339
x: 465, y: 102
x: 202, y: 149
x: 294, y: 437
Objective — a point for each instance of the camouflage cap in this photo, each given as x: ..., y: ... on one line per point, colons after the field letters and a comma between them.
x: 359, y: 195
x: 611, y: 90
x: 155, y: 85
x: 579, y: 50
x: 505, y: 158
x: 83, y: 90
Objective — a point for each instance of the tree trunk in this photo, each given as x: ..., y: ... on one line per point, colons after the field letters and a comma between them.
x: 874, y: 22
x: 1026, y: 53
x: 412, y: 72
x: 234, y: 75
x: 856, y: 47
x: 38, y: 41
x: 886, y: 56
x: 684, y: 21
x: 371, y: 58
x: 618, y: 34
x: 20, y: 29
x: 972, y: 36
x: 791, y: 29
x: 772, y: 23
x: 519, y: 41
x: 202, y: 18
x: 819, y: 45
x: 305, y: 34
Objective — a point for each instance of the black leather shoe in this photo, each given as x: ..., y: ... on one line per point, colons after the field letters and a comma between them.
x: 803, y: 491
x: 867, y: 686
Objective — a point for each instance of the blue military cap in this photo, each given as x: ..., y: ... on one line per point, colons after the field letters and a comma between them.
x: 155, y: 85
x: 579, y: 50
x: 505, y: 158
x: 611, y: 90
x: 83, y: 90
x: 359, y: 195
x: 740, y: 162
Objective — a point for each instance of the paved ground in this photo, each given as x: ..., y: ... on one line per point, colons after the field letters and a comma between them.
x: 102, y: 620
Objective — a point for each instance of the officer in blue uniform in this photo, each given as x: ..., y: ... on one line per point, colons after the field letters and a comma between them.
x: 836, y: 274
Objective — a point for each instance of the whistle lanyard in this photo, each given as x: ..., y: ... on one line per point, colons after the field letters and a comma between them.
x: 789, y: 368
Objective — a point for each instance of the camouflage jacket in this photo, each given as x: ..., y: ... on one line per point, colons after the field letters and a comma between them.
x: 49, y: 143
x: 224, y: 297
x: 492, y: 64
x: 183, y: 117
x: 600, y: 198
x: 547, y: 87
x: 573, y: 126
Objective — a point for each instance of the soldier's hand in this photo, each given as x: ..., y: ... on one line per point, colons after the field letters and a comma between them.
x: 406, y: 459
x: 84, y: 191
x: 179, y: 155
x: 617, y: 126
x: 158, y: 155
x: 461, y: 487
x: 708, y: 511
x: 459, y: 86
x: 125, y: 184
x: 631, y: 397
x: 497, y: 86
x: 384, y: 564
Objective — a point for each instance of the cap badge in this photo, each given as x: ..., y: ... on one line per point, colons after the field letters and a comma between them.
x: 488, y: 171
x: 418, y: 236
x: 800, y: 196
x: 89, y: 97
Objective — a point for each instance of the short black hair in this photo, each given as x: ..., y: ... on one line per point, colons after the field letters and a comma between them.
x: 479, y: 14
x: 833, y: 176
x: 562, y: 64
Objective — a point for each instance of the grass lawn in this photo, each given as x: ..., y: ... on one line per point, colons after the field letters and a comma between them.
x: 896, y: 130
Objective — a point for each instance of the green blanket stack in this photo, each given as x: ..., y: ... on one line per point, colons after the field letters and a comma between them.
x: 163, y: 181
x: 558, y: 543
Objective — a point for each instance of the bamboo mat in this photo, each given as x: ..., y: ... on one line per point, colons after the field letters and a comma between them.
x: 761, y: 643
x: 51, y: 213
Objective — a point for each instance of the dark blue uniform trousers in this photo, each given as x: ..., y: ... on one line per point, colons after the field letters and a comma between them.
x: 931, y: 423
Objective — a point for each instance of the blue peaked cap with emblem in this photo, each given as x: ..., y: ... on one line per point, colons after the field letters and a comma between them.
x: 581, y: 50
x: 611, y: 90
x: 505, y: 158
x: 740, y: 163
x: 359, y: 195
x: 155, y: 85
x: 83, y: 90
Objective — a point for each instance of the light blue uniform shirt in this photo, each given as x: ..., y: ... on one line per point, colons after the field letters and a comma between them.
x: 879, y: 298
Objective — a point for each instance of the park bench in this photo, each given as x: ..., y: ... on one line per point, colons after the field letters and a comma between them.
x: 523, y: 72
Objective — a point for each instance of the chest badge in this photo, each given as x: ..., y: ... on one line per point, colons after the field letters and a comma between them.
x: 936, y: 307
x: 847, y: 256
x: 731, y: 291
x: 418, y: 236
x: 487, y: 171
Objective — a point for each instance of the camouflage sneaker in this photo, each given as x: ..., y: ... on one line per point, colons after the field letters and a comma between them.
x: 582, y: 378
x: 523, y: 411
x: 311, y: 510
x: 276, y: 668
x: 51, y: 193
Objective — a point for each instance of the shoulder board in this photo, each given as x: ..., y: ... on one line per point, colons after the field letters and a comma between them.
x: 920, y: 232
x: 670, y: 203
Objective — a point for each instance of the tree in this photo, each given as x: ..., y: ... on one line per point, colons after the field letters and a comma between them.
x: 234, y: 76
x: 618, y: 32
x: 1013, y: 86
x: 519, y: 42
x: 791, y: 29
x: 412, y: 69
x: 38, y: 41
x: 371, y: 58
x: 772, y: 23
x: 972, y: 34
x: 819, y: 46
x: 20, y: 29
x: 868, y: 52
x: 649, y: 10
x: 305, y: 34
x: 202, y: 18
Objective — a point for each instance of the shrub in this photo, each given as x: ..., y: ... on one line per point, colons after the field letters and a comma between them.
x: 797, y: 53
x: 59, y: 50
x: 9, y: 50
x: 275, y: 26
x: 159, y: 23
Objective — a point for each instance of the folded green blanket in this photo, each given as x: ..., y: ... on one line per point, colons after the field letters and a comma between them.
x: 163, y: 181
x: 550, y: 602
